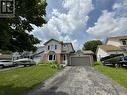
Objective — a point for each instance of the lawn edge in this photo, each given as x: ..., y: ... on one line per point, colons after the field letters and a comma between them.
x: 110, y: 79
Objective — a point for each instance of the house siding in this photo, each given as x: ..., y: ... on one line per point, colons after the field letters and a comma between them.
x: 58, y: 58
x: 58, y: 50
x: 101, y: 53
x: 45, y: 58
x: 114, y: 42
x: 67, y: 47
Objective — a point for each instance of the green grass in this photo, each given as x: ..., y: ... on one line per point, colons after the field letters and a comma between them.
x: 117, y: 74
x: 21, y: 80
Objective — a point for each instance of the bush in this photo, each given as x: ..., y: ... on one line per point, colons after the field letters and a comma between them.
x: 53, y: 64
x: 96, y: 63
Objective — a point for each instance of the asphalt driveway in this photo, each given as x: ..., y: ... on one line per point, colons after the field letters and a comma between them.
x: 78, y: 81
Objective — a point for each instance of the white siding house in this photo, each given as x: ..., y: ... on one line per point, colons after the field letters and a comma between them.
x: 101, y: 53
x: 114, y: 45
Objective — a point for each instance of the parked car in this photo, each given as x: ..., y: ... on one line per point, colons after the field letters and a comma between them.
x: 6, y: 63
x: 25, y: 62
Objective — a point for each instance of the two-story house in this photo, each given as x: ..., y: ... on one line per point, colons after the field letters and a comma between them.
x: 58, y: 51
x: 113, y: 45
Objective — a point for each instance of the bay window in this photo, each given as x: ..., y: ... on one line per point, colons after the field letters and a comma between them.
x: 52, y: 57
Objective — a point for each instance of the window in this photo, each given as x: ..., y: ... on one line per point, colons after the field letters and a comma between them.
x: 124, y: 42
x: 64, y: 57
x: 52, y: 57
x: 64, y: 45
x: 48, y: 47
x: 55, y: 46
x: 52, y: 47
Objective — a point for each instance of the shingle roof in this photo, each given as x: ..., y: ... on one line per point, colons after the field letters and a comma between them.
x: 109, y: 48
x: 69, y: 44
x: 88, y: 52
x: 51, y: 40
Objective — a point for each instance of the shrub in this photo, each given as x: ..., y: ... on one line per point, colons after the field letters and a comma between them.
x: 53, y: 64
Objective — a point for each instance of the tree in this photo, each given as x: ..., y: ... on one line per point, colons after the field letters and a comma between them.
x: 15, y: 32
x: 92, y: 45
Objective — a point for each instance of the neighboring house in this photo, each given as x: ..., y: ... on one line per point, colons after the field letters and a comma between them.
x: 5, y: 56
x: 64, y: 53
x: 58, y: 51
x: 113, y: 45
x: 36, y: 56
x: 5, y: 60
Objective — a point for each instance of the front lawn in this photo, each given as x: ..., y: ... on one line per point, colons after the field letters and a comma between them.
x: 21, y: 80
x: 117, y: 74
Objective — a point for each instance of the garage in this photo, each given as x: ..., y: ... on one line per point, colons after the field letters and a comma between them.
x: 81, y: 59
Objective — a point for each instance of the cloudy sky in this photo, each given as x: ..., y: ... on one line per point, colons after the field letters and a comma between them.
x: 78, y: 21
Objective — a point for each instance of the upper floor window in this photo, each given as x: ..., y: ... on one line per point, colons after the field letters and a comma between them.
x: 124, y: 42
x: 55, y: 46
x: 48, y: 47
x: 52, y: 47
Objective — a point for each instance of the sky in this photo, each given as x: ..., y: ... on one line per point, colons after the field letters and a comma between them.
x: 78, y: 21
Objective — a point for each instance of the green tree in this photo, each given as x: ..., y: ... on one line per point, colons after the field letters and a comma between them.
x: 15, y: 32
x: 92, y: 45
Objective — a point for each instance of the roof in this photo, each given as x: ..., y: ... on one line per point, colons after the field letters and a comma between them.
x: 87, y: 52
x: 110, y: 48
x: 69, y: 44
x: 51, y: 40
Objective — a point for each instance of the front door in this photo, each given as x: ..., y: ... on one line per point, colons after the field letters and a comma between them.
x: 64, y: 59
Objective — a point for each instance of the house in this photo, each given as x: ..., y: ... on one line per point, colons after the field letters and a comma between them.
x: 58, y: 51
x: 5, y: 56
x: 36, y: 56
x: 64, y: 53
x: 113, y: 45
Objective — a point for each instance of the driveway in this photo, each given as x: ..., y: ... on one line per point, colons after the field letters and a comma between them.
x: 78, y: 81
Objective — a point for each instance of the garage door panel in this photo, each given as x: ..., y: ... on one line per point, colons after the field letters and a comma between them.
x: 80, y: 61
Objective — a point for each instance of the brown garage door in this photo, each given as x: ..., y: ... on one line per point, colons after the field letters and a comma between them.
x: 80, y: 61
